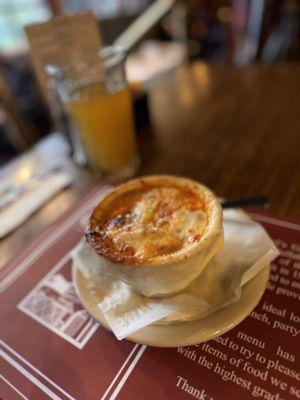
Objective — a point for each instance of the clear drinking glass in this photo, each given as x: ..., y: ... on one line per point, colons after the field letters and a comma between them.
x: 96, y: 97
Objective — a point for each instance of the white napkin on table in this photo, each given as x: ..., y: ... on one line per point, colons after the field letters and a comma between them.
x: 247, y: 250
x: 14, y: 214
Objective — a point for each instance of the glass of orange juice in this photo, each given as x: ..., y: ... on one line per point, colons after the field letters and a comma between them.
x: 96, y: 97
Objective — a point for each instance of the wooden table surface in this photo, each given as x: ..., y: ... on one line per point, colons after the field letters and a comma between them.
x: 236, y: 130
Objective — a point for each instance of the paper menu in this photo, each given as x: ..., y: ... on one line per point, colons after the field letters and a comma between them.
x: 51, y: 348
x: 60, y: 39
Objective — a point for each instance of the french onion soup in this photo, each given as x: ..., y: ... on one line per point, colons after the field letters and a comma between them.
x: 157, y: 233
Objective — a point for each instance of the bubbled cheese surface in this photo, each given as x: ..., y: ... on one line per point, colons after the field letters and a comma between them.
x: 148, y: 222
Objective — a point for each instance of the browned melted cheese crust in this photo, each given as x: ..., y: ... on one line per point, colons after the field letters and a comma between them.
x: 148, y: 222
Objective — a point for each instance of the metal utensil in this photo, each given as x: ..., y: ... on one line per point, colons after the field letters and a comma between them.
x: 10, y: 192
x: 248, y: 202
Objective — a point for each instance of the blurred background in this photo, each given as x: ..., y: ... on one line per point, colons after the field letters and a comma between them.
x: 238, y: 32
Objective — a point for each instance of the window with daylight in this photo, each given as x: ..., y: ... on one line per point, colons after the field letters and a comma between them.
x: 14, y: 15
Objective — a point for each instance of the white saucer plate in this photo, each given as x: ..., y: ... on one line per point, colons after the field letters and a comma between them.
x: 187, y: 333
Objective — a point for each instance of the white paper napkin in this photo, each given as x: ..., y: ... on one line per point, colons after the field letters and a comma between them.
x: 14, y: 214
x: 246, y: 251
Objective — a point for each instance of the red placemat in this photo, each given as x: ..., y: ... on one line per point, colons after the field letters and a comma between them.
x: 51, y: 348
